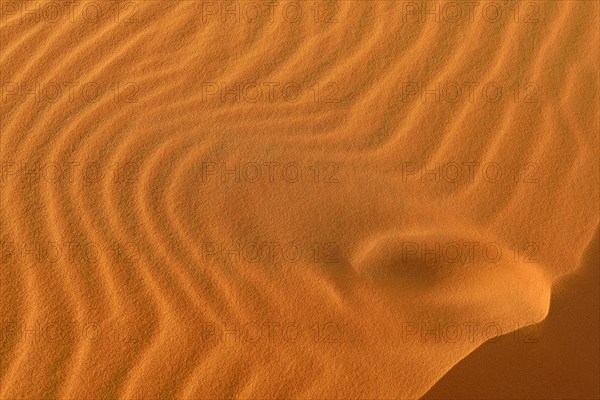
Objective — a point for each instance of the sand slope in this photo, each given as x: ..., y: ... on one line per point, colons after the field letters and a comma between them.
x: 556, y: 359
x: 322, y: 200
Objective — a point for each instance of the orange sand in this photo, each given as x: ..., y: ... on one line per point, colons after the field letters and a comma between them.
x: 295, y: 200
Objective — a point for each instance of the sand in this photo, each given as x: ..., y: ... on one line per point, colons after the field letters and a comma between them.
x: 558, y: 358
x: 311, y: 200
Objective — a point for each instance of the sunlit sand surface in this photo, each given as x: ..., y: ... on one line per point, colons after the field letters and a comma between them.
x: 296, y: 200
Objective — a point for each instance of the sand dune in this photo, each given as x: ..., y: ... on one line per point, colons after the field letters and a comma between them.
x: 295, y: 200
x: 556, y: 359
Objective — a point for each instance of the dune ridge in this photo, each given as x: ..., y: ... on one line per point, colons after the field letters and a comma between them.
x: 216, y: 208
